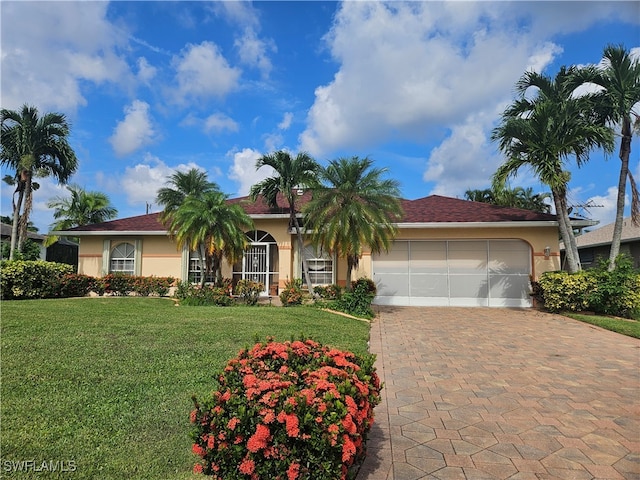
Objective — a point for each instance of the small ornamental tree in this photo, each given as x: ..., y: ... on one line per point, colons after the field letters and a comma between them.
x: 292, y: 410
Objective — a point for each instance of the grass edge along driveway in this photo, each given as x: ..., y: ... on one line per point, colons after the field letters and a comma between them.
x: 104, y: 385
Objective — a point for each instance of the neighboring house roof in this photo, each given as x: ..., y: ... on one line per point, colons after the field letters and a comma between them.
x: 5, y: 232
x: 433, y: 210
x: 604, y: 235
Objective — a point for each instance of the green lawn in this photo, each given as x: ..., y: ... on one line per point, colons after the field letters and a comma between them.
x: 618, y: 325
x: 107, y: 382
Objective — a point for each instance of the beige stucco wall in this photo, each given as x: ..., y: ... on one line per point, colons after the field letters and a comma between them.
x: 160, y: 257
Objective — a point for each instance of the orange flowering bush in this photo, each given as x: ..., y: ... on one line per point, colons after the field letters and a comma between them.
x: 292, y: 410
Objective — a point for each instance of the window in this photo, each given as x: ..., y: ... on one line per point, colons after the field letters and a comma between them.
x: 123, y: 259
x: 320, y: 266
x: 195, y: 270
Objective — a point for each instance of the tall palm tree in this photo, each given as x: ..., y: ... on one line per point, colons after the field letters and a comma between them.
x: 618, y: 77
x: 542, y: 133
x: 290, y: 173
x: 81, y: 208
x: 209, y: 225
x: 352, y: 209
x: 34, y: 145
x: 181, y: 185
x: 15, y: 181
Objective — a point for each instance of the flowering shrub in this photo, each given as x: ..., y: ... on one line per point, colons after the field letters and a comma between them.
x: 328, y: 292
x: 76, y: 285
x: 292, y: 293
x: 249, y: 291
x: 293, y: 410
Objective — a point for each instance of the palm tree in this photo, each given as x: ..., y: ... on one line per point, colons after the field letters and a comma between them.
x: 181, y: 185
x: 33, y: 145
x: 542, y: 133
x: 618, y: 77
x: 517, y: 197
x: 352, y: 209
x: 209, y: 225
x: 82, y: 208
x: 290, y: 173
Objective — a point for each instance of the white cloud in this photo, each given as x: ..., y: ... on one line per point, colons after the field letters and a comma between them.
x: 253, y: 51
x: 286, y: 121
x: 141, y: 182
x: 219, y: 122
x: 203, y: 72
x: 410, y: 71
x: 243, y: 171
x: 604, y: 206
x: 475, y: 158
x: 135, y: 131
x: 46, y: 66
x: 146, y: 72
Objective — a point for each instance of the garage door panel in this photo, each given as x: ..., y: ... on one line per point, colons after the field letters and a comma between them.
x: 392, y: 284
x: 467, y: 257
x: 509, y: 286
x: 462, y: 286
x: 454, y: 272
x: 429, y: 285
x: 508, y: 257
x: 428, y: 257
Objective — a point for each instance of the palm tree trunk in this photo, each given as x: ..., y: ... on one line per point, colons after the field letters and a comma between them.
x: 566, y: 232
x: 625, y: 150
x: 16, y: 219
x: 28, y: 204
x: 349, y: 272
x: 305, y: 267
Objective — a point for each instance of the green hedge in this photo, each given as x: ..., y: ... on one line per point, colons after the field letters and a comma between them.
x: 598, y: 290
x: 22, y: 279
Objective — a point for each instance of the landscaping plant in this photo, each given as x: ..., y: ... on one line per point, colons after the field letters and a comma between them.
x: 292, y: 293
x: 292, y: 410
x: 249, y: 291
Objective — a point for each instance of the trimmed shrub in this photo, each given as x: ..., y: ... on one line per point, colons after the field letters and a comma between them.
x: 145, y: 286
x: 294, y: 410
x: 118, y: 283
x: 21, y: 279
x: 328, y: 292
x: 616, y: 292
x: 292, y: 293
x: 196, y: 295
x: 77, y: 285
x: 563, y: 291
x: 249, y: 291
x: 358, y: 301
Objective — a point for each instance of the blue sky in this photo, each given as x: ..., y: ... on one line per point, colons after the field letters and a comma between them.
x: 151, y: 87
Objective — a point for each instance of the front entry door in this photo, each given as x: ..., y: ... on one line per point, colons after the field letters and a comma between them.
x: 256, y: 264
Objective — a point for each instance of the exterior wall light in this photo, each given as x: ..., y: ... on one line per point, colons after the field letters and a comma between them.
x: 547, y: 252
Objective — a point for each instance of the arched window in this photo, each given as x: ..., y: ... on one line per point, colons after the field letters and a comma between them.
x: 123, y: 259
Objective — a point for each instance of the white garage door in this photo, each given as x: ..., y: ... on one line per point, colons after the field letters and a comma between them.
x: 492, y: 273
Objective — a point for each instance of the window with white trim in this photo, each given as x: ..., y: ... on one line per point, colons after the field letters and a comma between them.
x: 123, y: 259
x: 320, y: 266
x: 195, y: 269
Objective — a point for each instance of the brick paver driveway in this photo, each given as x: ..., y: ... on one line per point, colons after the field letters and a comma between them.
x: 481, y: 393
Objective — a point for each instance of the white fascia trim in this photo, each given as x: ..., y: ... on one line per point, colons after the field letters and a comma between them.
x: 102, y: 233
x: 476, y: 224
x: 262, y: 216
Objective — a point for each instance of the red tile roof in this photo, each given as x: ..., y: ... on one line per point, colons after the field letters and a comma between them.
x: 431, y: 209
